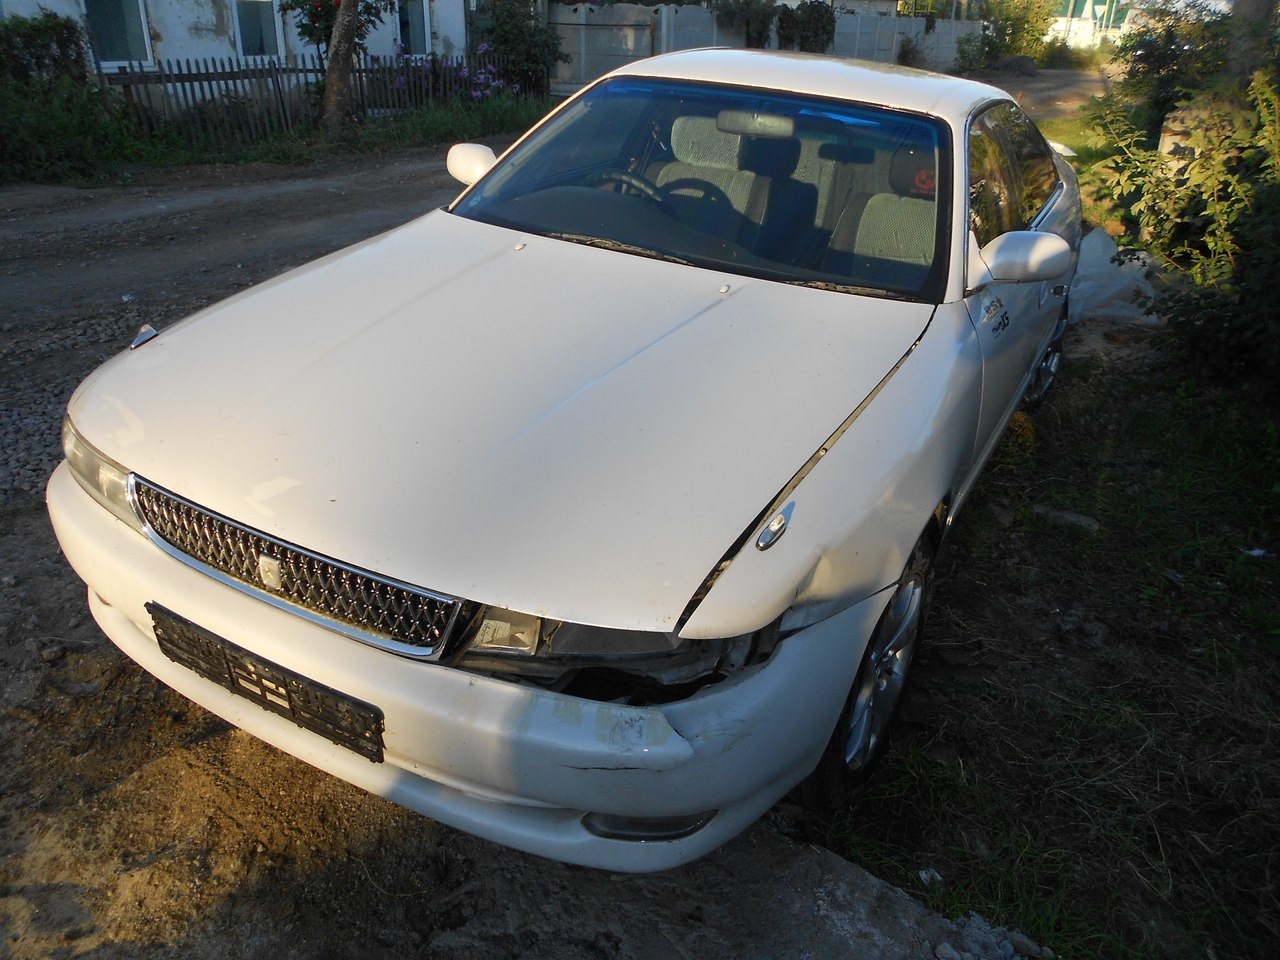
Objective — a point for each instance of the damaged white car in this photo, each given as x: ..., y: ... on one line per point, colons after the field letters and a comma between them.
x: 591, y: 513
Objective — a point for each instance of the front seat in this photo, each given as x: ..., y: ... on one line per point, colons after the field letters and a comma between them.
x: 705, y: 183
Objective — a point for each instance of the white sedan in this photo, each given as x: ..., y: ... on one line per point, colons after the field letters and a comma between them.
x: 593, y: 512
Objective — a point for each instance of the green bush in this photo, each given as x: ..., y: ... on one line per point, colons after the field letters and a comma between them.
x: 524, y: 43
x: 1171, y: 54
x: 55, y: 124
x: 755, y: 17
x: 809, y: 26
x: 1210, y: 213
x: 1057, y: 54
x: 1017, y: 27
x: 971, y: 54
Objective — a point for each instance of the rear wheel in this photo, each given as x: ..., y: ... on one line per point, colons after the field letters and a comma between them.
x: 1047, y: 369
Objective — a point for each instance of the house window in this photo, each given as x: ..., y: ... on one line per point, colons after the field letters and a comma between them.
x: 413, y: 31
x: 117, y: 30
x: 257, y: 22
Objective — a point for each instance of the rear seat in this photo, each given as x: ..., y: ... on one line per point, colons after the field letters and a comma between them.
x: 888, y: 237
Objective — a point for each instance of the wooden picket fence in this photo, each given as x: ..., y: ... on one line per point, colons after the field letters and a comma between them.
x: 223, y: 101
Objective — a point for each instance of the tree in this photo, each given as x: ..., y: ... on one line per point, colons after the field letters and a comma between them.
x: 1018, y: 27
x: 1252, y: 23
x: 1171, y: 52
x: 338, y: 31
x: 755, y: 17
x: 810, y: 26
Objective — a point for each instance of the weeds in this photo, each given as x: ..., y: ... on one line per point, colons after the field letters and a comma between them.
x: 1088, y: 752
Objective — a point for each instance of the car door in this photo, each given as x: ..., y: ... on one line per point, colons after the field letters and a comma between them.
x: 1014, y: 184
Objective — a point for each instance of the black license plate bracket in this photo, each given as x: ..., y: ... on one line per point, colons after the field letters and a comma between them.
x: 338, y: 717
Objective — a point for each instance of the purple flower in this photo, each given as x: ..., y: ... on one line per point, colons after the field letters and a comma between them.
x: 483, y: 48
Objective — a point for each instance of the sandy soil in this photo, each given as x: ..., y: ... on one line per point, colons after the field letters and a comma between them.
x: 133, y: 823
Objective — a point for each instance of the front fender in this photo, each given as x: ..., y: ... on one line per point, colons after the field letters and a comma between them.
x: 863, y: 505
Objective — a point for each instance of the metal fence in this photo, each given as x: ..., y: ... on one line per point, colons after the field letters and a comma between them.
x: 227, y: 101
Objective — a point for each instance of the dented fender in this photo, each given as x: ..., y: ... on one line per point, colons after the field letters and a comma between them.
x: 864, y: 504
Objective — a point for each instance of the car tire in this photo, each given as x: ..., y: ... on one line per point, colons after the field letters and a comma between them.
x: 1047, y: 369
x: 859, y: 739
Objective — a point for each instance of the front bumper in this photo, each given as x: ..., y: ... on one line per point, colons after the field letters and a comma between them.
x: 506, y: 762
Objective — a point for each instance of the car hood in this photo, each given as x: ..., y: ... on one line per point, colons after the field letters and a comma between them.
x: 522, y: 421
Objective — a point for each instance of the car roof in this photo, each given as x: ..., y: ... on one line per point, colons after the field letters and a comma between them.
x: 863, y: 81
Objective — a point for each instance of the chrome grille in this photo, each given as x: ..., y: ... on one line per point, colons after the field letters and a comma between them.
x: 372, y: 608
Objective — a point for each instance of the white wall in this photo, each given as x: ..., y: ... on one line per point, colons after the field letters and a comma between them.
x: 33, y: 8
x: 600, y: 38
x: 192, y: 29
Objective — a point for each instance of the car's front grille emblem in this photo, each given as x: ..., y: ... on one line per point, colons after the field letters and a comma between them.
x: 269, y: 572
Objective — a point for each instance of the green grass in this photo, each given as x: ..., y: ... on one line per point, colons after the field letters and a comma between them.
x: 1088, y: 748
x: 110, y: 144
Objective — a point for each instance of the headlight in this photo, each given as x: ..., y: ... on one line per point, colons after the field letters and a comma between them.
x: 508, y: 633
x: 102, y: 478
x: 631, y: 666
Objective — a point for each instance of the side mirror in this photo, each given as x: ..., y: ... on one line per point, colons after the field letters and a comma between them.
x: 468, y: 162
x: 1020, y: 256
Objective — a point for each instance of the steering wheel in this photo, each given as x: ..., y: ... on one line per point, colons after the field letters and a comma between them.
x: 646, y: 188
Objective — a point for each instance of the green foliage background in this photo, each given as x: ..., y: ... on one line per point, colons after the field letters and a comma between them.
x: 1204, y: 200
x: 54, y: 122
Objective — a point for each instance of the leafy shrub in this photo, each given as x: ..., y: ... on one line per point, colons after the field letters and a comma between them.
x: 910, y: 54
x: 755, y: 17
x: 35, y: 51
x: 1017, y: 27
x: 809, y: 26
x: 55, y: 123
x: 1210, y: 213
x: 1057, y: 54
x: 524, y: 42
x: 971, y: 53
x: 1170, y: 53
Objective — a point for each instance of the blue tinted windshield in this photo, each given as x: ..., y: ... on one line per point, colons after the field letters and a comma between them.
x: 782, y: 186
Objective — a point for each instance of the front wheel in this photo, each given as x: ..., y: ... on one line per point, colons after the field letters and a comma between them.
x: 863, y: 730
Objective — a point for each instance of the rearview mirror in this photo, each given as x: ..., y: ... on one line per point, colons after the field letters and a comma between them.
x: 468, y: 162
x: 1020, y: 256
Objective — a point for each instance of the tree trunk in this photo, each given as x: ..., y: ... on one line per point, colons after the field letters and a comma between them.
x: 337, y: 79
x: 1250, y: 25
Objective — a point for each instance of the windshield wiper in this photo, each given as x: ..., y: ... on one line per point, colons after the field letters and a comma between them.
x: 854, y: 288
x: 618, y: 246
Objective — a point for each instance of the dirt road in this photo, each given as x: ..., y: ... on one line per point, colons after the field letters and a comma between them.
x: 134, y: 824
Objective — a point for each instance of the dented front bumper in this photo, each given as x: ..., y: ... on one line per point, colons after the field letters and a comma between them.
x: 534, y: 770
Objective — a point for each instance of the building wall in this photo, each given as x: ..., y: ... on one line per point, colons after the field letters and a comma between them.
x: 601, y: 38
x: 197, y: 29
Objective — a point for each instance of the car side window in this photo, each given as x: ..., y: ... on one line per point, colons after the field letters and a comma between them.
x: 1031, y: 158
x: 993, y: 196
x: 1004, y: 143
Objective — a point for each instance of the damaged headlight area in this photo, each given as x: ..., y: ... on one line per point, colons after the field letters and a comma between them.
x: 100, y: 476
x: 635, y: 667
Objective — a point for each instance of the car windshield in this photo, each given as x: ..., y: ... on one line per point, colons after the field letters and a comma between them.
x: 789, y: 187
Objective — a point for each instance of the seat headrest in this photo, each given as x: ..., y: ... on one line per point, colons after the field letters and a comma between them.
x: 697, y: 142
x: 770, y: 157
x: 913, y: 172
